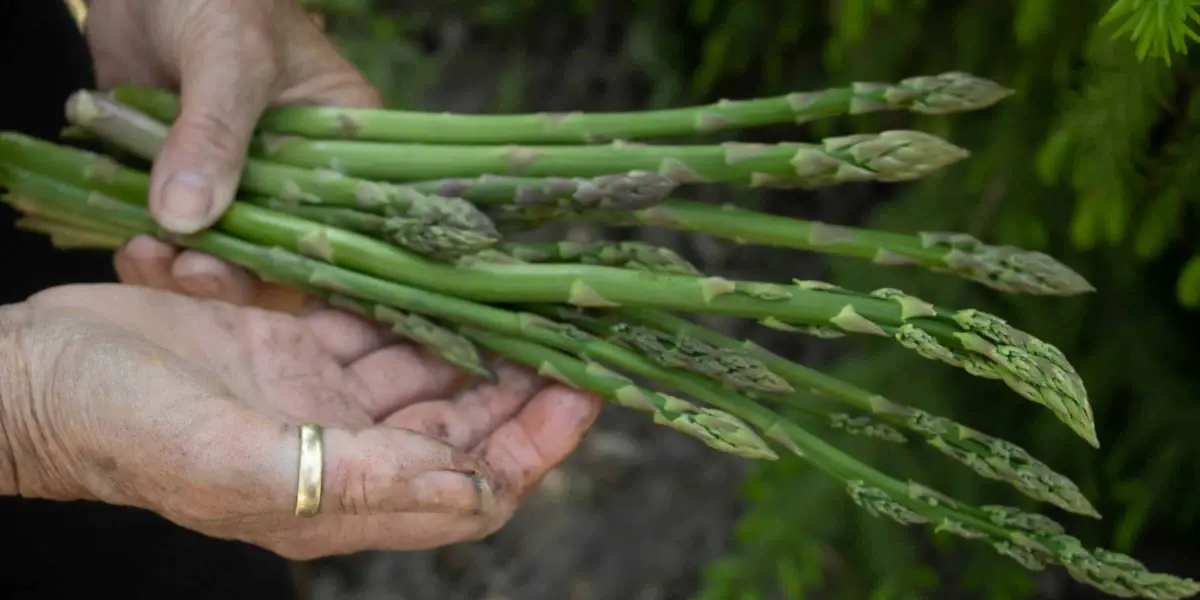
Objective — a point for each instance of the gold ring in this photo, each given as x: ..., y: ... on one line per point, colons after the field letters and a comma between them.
x: 312, y: 465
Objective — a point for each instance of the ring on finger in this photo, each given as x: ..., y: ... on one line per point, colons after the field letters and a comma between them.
x: 311, y: 471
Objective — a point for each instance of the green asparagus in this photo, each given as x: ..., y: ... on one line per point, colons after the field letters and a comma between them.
x: 1031, y: 539
x: 938, y: 95
x: 890, y: 156
x: 406, y: 235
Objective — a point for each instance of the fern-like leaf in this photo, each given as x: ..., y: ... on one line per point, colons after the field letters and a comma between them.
x: 1158, y: 28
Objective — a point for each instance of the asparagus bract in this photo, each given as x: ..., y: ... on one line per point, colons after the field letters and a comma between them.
x: 937, y: 94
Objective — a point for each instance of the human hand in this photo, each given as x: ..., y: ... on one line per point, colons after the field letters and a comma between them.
x: 230, y: 59
x: 189, y: 408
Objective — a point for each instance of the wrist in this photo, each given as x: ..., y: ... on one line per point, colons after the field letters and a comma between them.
x: 14, y: 385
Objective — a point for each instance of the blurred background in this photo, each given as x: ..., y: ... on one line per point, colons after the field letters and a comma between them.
x: 1095, y: 160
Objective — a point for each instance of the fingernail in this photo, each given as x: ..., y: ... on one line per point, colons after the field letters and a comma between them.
x: 450, y: 491
x: 582, y: 409
x: 201, y: 285
x: 187, y: 200
x: 486, y: 498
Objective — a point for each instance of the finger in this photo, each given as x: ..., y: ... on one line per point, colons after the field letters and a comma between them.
x: 228, y: 71
x: 519, y: 454
x: 253, y: 461
x: 396, y: 376
x: 521, y: 451
x: 466, y: 420
x: 206, y: 276
x: 347, y: 337
x: 390, y: 470
x: 146, y: 261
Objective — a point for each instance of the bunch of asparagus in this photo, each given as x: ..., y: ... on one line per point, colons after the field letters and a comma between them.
x: 405, y: 217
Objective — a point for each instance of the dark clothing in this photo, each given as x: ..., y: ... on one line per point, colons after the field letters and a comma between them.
x: 82, y: 549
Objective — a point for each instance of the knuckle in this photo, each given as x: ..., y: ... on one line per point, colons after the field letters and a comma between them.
x: 351, y: 488
x: 215, y: 132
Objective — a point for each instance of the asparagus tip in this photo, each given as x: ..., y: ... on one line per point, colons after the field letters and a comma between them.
x: 953, y: 92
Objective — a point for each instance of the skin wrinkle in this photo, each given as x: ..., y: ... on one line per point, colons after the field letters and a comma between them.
x: 13, y: 390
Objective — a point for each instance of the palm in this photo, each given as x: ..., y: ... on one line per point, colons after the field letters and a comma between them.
x: 333, y: 368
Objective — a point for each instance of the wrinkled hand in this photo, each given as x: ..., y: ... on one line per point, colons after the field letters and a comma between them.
x: 230, y: 59
x: 189, y: 407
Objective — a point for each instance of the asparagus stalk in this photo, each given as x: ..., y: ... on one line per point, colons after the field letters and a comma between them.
x: 70, y: 237
x: 982, y: 345
x: 1031, y: 539
x: 674, y: 342
x: 990, y: 457
x: 621, y: 191
x: 890, y: 156
x: 627, y: 255
x: 938, y: 94
x: 433, y: 226
x: 716, y: 428
x: 1004, y: 268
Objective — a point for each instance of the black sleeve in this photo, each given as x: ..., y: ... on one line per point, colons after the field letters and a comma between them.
x: 85, y: 549
x: 43, y: 59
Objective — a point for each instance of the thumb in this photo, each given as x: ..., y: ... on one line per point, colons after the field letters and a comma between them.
x: 227, y: 74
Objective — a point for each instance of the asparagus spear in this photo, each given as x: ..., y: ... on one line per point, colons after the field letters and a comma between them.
x: 987, y: 348
x: 1001, y: 267
x: 992, y: 458
x: 1031, y: 539
x: 988, y: 456
x: 938, y: 94
x: 1004, y: 268
x: 627, y: 255
x: 675, y: 342
x: 622, y: 191
x: 433, y: 226
x: 890, y: 156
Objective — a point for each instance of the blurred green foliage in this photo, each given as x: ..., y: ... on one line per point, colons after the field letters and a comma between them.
x: 1094, y: 161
